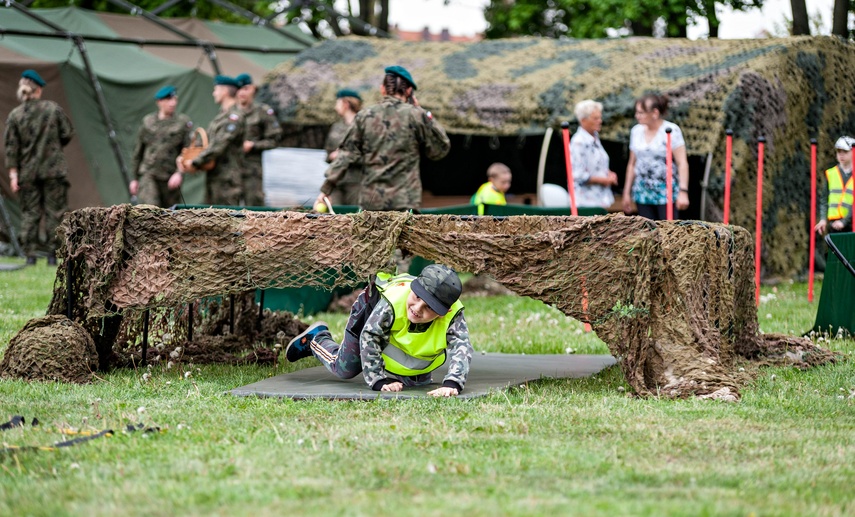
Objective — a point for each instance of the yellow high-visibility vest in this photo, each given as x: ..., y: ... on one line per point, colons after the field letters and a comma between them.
x: 409, y: 353
x: 487, y: 195
x: 839, y: 195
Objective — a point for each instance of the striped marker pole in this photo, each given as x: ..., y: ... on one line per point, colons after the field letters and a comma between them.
x: 758, y: 228
x: 669, y: 180
x: 812, y: 217
x: 728, y: 160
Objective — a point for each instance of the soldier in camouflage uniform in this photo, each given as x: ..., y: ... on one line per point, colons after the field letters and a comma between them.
x: 36, y: 132
x: 347, y: 105
x: 225, y: 147
x: 400, y: 329
x: 387, y: 140
x: 263, y: 132
x: 162, y: 136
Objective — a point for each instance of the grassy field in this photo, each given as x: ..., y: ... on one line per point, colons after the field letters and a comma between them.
x: 555, y: 447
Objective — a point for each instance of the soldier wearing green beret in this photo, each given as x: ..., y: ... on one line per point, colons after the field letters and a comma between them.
x: 36, y: 132
x: 387, y: 139
x: 161, y: 137
x: 263, y: 132
x: 224, y: 157
x: 347, y: 105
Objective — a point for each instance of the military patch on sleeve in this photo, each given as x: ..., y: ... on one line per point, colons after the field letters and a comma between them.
x: 270, y: 111
x: 189, y: 123
x: 233, y: 116
x: 230, y: 128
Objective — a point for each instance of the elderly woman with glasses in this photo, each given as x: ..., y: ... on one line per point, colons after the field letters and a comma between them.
x: 592, y: 178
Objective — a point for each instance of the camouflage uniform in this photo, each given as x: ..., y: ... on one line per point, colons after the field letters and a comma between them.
x: 361, y: 351
x: 225, y: 147
x: 264, y: 131
x: 387, y: 138
x: 36, y: 132
x: 346, y: 191
x: 158, y: 143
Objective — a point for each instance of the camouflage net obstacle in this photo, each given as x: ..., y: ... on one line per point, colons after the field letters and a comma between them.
x: 673, y: 301
x: 787, y: 90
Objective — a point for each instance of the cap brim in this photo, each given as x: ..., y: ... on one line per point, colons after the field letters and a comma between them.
x: 432, y: 302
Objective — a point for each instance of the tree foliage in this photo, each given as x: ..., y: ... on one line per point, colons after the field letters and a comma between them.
x: 188, y: 8
x: 599, y: 18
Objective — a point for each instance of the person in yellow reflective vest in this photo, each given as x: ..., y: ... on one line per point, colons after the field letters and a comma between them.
x: 493, y: 192
x: 400, y: 329
x: 836, y: 192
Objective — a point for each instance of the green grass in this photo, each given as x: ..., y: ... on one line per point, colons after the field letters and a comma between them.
x: 557, y: 447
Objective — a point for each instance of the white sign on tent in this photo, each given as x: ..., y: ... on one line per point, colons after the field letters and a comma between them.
x: 293, y: 176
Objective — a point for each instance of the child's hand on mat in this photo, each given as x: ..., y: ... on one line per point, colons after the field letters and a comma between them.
x: 392, y: 386
x: 443, y: 392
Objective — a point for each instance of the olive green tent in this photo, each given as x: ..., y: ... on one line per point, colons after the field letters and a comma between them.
x: 506, y: 93
x: 129, y: 75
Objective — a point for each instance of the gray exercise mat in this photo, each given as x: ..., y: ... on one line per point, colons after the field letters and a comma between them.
x: 488, y: 372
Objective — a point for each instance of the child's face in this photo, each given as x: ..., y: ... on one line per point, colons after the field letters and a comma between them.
x: 844, y: 157
x: 502, y: 182
x: 418, y: 311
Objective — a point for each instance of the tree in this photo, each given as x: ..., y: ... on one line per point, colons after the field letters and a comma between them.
x: 801, y: 23
x: 599, y: 18
x: 840, y: 18
x: 324, y: 20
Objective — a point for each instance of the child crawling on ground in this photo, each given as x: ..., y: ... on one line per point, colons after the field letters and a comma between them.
x: 400, y: 329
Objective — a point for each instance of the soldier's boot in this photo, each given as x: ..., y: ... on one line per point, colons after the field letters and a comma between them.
x: 51, y: 259
x: 301, y: 346
x: 31, y: 260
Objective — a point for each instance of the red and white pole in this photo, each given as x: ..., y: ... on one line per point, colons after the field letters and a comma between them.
x: 728, y: 160
x: 758, y: 229
x: 571, y: 188
x: 812, y: 217
x: 669, y: 179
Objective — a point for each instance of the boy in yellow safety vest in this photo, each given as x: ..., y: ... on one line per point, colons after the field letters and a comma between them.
x: 493, y: 192
x: 836, y: 196
x: 400, y: 329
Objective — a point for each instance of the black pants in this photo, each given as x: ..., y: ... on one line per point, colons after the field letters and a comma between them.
x: 656, y: 212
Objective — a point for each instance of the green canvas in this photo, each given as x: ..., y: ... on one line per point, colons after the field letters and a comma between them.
x: 838, y: 289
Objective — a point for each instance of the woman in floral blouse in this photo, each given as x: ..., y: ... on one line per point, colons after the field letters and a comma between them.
x: 591, y: 175
x: 645, y: 172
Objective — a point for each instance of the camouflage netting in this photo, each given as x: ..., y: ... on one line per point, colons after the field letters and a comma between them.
x: 787, y: 90
x: 51, y: 348
x: 673, y: 301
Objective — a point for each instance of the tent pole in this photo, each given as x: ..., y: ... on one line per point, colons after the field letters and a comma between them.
x: 259, y: 20
x: 146, y: 42
x: 205, y: 45
x: 93, y: 79
x: 541, y: 164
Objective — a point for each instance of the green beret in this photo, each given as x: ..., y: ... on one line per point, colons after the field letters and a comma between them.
x: 33, y: 76
x: 243, y: 80
x: 226, y: 81
x: 347, y: 93
x: 165, y: 93
x: 401, y: 72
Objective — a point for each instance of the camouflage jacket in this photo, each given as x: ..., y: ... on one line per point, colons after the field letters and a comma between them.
x: 262, y: 129
x: 36, y: 132
x: 335, y: 137
x: 159, y: 142
x: 388, y: 139
x: 225, y: 144
x: 375, y: 337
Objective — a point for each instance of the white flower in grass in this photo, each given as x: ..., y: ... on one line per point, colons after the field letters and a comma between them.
x: 174, y: 354
x: 187, y: 375
x: 768, y: 316
x: 169, y: 365
x: 74, y: 466
x: 431, y: 468
x: 569, y: 350
x: 141, y: 410
x: 146, y: 376
x: 167, y: 337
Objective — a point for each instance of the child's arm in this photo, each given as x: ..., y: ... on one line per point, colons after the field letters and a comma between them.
x: 373, y: 339
x: 459, y: 355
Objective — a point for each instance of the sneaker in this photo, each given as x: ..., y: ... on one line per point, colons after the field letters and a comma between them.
x: 300, y: 346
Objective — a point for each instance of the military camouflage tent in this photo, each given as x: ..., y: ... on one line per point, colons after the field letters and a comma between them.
x: 129, y: 75
x: 787, y: 90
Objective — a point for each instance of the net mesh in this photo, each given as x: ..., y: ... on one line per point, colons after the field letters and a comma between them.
x: 674, y: 301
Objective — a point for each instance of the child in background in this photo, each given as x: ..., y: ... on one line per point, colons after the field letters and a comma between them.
x: 835, y: 194
x: 493, y: 192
